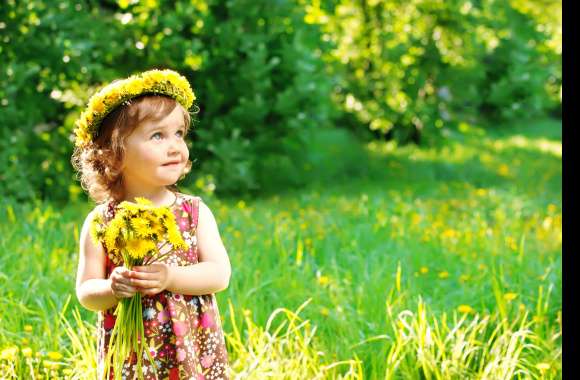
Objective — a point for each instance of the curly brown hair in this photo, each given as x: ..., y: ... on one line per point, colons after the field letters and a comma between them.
x: 98, y: 165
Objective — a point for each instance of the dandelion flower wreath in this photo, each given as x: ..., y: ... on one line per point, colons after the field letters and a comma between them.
x: 163, y: 82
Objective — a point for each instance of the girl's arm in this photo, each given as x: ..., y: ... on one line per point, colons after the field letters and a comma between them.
x: 212, y: 273
x: 92, y: 289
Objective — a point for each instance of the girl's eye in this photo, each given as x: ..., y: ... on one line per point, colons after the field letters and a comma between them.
x: 180, y: 133
x: 156, y: 136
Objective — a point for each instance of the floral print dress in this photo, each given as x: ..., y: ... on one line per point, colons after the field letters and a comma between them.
x: 184, y: 332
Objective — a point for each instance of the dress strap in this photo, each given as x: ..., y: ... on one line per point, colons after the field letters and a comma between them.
x: 195, y: 205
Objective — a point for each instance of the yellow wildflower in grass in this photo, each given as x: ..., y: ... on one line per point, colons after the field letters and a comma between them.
x: 424, y: 270
x: 324, y: 311
x: 481, y: 192
x: 415, y: 219
x: 443, y: 274
x: 50, y: 364
x: 27, y: 328
x: 9, y: 353
x: 323, y: 280
x: 465, y: 309
x: 53, y: 355
x: 464, y: 278
x: 510, y: 296
x: 27, y: 352
x: 449, y: 233
x: 543, y: 366
x: 503, y: 170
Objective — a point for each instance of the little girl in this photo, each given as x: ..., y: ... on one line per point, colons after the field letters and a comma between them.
x: 130, y: 143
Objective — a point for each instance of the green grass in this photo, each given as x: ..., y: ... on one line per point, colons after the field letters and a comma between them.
x: 431, y: 263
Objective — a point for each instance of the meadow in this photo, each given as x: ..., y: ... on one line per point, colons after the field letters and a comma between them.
x: 402, y: 263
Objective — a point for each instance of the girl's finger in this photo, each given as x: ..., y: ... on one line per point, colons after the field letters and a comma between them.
x: 144, y: 283
x: 150, y: 291
x: 142, y: 275
x: 145, y: 268
x: 125, y: 288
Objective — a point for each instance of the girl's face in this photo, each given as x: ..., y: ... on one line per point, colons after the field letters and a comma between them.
x: 155, y: 152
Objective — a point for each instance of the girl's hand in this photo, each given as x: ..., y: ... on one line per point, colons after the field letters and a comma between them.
x: 151, y: 279
x: 121, y: 283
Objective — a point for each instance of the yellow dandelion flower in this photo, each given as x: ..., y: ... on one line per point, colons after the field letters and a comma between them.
x: 9, y: 353
x: 543, y: 366
x: 112, y: 232
x: 143, y: 201
x: 156, y: 75
x: 129, y: 209
x: 443, y: 274
x: 481, y: 192
x: 424, y: 270
x: 27, y: 352
x: 97, y: 106
x: 156, y: 228
x: 134, y: 87
x: 27, y: 328
x: 504, y: 170
x: 324, y: 311
x: 510, y: 296
x: 465, y: 309
x: 141, y: 226
x: 464, y: 278
x: 323, y: 280
x: 138, y: 248
x: 96, y: 230
x: 164, y: 214
x: 449, y: 233
x: 88, y: 117
x: 175, y: 238
x: 81, y: 124
x: 53, y: 355
x: 113, y: 97
x: 50, y: 365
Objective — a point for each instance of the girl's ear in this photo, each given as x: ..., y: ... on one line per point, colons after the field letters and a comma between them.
x: 186, y: 170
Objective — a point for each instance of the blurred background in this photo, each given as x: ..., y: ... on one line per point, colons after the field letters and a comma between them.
x: 386, y: 177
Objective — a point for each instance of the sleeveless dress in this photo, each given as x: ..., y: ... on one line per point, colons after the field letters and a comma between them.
x: 184, y: 332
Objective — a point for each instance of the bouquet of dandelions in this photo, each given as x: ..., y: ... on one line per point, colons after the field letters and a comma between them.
x: 136, y: 234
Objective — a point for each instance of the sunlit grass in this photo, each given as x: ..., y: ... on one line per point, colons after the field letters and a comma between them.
x: 444, y: 263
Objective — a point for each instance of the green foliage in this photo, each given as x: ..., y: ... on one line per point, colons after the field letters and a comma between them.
x: 408, y: 68
x: 256, y: 68
x: 267, y: 74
